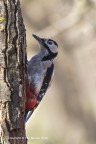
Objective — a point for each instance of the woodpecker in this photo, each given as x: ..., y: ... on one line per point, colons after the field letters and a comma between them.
x: 40, y: 74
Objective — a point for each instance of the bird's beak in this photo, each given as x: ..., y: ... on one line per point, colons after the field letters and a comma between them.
x: 40, y: 40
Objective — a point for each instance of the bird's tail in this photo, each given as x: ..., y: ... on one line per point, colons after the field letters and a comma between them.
x: 27, y: 115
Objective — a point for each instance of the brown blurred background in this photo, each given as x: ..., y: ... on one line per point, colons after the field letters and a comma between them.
x: 67, y: 114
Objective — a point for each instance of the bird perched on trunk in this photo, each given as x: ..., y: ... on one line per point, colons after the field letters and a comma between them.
x: 40, y: 74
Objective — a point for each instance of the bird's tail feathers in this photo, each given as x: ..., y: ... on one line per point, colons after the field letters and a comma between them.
x: 27, y: 115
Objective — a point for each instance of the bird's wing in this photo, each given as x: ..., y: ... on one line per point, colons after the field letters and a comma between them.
x: 45, y: 84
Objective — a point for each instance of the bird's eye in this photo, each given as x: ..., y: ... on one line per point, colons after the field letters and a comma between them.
x: 50, y: 42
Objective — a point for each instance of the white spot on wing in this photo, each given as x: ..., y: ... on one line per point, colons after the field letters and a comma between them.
x: 51, y: 78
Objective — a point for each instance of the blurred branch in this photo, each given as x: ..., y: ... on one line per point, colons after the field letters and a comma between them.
x: 61, y: 25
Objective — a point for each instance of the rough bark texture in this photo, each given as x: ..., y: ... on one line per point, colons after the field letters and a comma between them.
x: 12, y: 73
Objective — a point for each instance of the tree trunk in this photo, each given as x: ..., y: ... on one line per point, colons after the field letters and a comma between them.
x: 12, y: 73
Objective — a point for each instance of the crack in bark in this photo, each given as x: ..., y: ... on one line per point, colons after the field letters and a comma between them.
x: 6, y: 45
x: 14, y: 54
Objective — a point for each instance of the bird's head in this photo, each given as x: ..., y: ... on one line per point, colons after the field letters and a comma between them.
x: 50, y: 45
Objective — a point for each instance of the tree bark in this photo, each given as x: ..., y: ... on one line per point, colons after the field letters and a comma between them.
x: 12, y: 73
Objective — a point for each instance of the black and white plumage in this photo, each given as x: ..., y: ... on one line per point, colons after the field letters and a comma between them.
x: 40, y: 74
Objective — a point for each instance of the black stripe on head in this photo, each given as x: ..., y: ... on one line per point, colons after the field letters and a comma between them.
x: 51, y: 55
x: 53, y: 41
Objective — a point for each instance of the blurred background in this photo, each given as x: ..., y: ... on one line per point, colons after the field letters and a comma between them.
x: 67, y: 114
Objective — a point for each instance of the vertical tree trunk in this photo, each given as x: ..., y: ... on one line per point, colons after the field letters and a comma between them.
x: 12, y: 73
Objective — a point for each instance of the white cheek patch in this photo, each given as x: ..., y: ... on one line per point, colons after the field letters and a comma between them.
x: 53, y: 48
